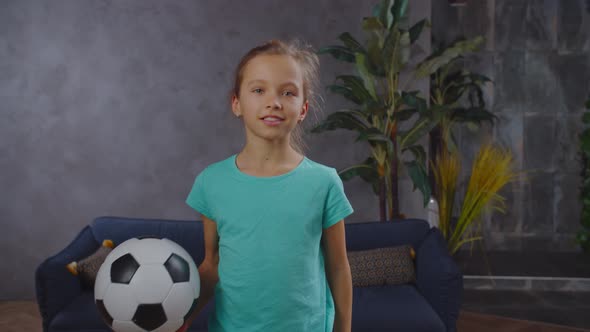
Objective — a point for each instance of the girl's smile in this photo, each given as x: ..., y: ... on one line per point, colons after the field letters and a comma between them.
x: 271, y: 92
x: 272, y: 121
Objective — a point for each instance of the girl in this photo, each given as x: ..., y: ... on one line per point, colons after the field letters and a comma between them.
x: 275, y: 252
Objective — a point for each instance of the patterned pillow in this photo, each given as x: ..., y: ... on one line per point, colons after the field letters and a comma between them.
x: 87, y: 268
x: 382, y: 266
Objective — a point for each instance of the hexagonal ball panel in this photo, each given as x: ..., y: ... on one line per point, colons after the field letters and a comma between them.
x: 151, y: 284
x: 119, y: 300
x: 178, y: 301
x: 150, y: 250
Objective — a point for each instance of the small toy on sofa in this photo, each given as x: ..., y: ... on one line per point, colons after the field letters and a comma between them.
x: 87, y: 268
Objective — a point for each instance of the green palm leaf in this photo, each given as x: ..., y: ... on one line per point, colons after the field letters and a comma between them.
x: 346, y: 92
x: 432, y: 64
x: 418, y: 152
x: 345, y: 119
x: 421, y: 127
x: 363, y: 68
x: 414, y: 101
x: 398, y: 10
x: 375, y: 135
x: 419, y: 178
x: 341, y: 53
x: 417, y: 28
x: 356, y: 86
x: 351, y: 43
x: 371, y: 24
x: 367, y: 171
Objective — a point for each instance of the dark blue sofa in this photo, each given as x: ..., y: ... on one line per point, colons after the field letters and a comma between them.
x: 430, y: 305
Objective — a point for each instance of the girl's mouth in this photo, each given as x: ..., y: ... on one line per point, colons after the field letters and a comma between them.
x: 272, y: 121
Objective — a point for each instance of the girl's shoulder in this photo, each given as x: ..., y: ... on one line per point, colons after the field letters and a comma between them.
x: 323, y: 171
x: 321, y: 168
x: 213, y: 170
x: 220, y: 165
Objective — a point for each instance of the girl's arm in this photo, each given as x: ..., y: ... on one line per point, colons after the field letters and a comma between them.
x: 207, y: 270
x: 338, y: 274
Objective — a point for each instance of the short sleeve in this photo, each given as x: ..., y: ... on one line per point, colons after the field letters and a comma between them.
x: 337, y: 206
x: 197, y: 198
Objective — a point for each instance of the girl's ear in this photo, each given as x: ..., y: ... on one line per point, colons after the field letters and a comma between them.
x: 235, y: 105
x: 304, y: 109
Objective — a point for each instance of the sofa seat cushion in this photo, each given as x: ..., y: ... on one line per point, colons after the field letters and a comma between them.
x: 394, y: 308
x: 82, y: 315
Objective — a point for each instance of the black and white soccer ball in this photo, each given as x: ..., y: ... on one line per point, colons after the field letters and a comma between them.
x: 147, y: 284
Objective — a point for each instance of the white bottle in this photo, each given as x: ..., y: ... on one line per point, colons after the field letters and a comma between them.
x: 432, y: 209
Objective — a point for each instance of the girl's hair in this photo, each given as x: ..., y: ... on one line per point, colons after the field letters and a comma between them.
x: 309, y: 62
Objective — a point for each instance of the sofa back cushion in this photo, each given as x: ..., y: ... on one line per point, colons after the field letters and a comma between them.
x: 372, y: 235
x: 382, y: 266
x: 187, y: 233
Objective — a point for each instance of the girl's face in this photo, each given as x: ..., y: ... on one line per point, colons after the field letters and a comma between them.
x: 271, y: 97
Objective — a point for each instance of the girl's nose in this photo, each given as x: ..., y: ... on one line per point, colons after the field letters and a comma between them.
x: 274, y: 102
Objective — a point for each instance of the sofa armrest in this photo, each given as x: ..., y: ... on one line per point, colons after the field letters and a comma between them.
x: 439, y: 279
x: 55, y: 286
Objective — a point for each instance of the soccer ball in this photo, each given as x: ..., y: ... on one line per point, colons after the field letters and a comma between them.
x: 147, y: 284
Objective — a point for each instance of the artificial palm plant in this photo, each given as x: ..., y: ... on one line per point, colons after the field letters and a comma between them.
x: 457, y: 93
x: 381, y: 103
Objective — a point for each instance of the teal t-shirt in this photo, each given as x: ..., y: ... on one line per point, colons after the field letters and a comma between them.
x: 271, y: 262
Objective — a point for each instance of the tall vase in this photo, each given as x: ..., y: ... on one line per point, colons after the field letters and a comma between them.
x: 432, y: 215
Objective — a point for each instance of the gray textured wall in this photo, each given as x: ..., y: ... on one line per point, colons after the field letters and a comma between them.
x: 113, y: 107
x: 538, y: 54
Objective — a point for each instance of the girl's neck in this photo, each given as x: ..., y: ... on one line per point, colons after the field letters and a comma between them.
x: 267, y: 161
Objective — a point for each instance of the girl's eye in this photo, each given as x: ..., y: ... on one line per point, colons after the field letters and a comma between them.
x: 257, y: 90
x: 289, y: 93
